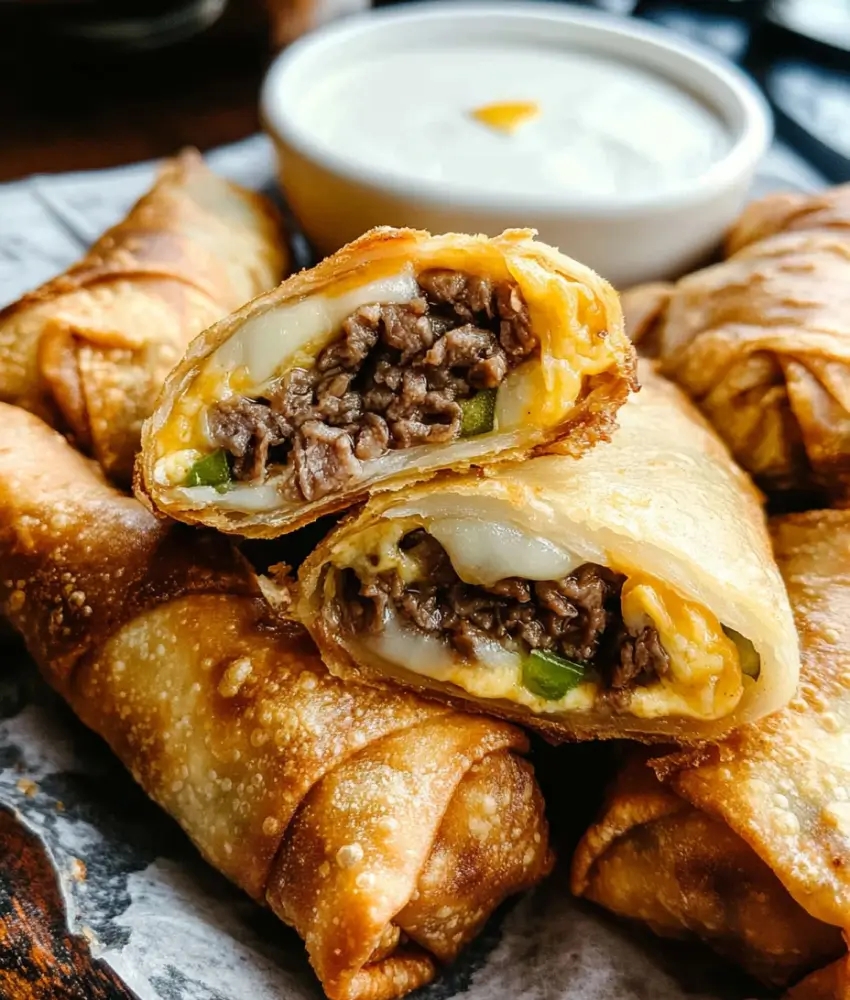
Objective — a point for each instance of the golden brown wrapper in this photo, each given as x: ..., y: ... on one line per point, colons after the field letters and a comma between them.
x: 643, y: 309
x: 829, y: 983
x: 826, y: 211
x: 563, y: 401
x: 383, y: 828
x: 761, y: 341
x: 88, y: 351
x: 767, y: 880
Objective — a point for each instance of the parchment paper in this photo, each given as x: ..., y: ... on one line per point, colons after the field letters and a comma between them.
x: 169, y: 925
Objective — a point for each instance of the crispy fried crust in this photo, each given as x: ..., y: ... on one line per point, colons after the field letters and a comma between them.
x: 826, y: 211
x: 385, y: 829
x: 778, y: 789
x: 652, y: 857
x: 762, y: 341
x: 591, y: 420
x: 89, y: 350
x: 643, y: 310
x: 829, y: 983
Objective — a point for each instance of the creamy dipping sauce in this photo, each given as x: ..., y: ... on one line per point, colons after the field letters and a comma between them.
x: 603, y: 127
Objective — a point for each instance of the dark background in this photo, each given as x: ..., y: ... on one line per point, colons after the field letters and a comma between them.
x: 95, y: 83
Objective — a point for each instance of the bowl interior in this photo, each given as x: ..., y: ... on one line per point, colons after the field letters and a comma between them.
x: 717, y: 84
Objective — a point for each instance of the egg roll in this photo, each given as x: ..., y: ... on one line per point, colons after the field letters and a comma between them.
x: 830, y: 983
x: 746, y: 843
x: 761, y: 341
x: 383, y: 828
x: 629, y: 593
x: 88, y: 351
x: 401, y: 355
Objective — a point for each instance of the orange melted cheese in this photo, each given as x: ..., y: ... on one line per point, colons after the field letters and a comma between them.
x: 507, y: 116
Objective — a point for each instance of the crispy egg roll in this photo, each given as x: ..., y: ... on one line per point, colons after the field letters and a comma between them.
x: 761, y: 341
x: 89, y: 350
x: 401, y: 355
x: 630, y: 593
x: 747, y: 843
x: 383, y: 828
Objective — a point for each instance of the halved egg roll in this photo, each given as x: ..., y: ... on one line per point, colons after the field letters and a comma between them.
x: 89, y: 350
x: 761, y: 342
x: 747, y: 844
x: 383, y: 828
x: 401, y: 355
x: 630, y: 593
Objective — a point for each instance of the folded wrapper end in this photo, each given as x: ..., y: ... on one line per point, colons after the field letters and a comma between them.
x: 384, y: 828
x: 759, y: 341
x: 745, y: 844
x: 88, y: 351
x: 820, y: 212
x: 654, y: 858
x: 482, y: 805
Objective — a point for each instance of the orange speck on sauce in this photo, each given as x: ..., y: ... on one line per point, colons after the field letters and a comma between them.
x: 506, y: 116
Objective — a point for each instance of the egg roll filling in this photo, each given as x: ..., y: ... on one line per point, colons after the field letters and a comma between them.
x: 590, y: 637
x: 398, y: 375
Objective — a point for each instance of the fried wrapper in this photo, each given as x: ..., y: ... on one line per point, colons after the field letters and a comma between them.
x: 746, y: 843
x: 829, y: 983
x: 761, y: 341
x: 643, y: 309
x: 383, y: 828
x: 661, y: 507
x: 335, y: 386
x: 89, y: 350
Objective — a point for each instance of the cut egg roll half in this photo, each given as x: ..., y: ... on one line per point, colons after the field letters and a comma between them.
x: 402, y: 355
x: 630, y: 593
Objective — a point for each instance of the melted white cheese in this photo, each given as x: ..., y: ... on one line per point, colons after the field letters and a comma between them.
x: 496, y: 672
x: 264, y: 342
x: 242, y: 497
x: 484, y: 552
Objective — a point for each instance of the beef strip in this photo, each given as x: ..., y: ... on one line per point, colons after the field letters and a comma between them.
x: 248, y: 431
x: 322, y: 455
x: 395, y: 378
x: 577, y: 617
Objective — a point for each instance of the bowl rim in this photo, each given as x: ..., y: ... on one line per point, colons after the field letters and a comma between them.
x: 747, y: 149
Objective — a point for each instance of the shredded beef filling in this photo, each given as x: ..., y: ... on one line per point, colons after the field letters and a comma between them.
x: 577, y: 617
x: 394, y: 379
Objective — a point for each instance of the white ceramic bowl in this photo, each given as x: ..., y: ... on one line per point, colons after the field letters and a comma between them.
x: 659, y: 236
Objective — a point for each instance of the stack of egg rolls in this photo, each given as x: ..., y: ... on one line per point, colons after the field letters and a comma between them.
x: 383, y: 828
x: 89, y: 350
x: 762, y: 341
x: 746, y: 843
x: 631, y: 592
x: 401, y: 356
x: 515, y: 552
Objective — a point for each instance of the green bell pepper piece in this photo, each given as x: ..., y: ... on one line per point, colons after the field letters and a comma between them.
x: 550, y: 676
x: 750, y: 659
x: 211, y: 470
x: 477, y: 413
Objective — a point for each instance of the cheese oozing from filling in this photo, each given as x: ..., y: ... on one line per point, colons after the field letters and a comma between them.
x: 254, y: 357
x: 704, y: 679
